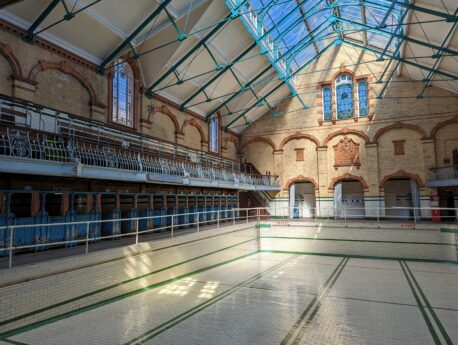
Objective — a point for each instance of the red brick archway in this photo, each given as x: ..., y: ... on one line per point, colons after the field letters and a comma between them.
x: 300, y: 178
x: 348, y: 176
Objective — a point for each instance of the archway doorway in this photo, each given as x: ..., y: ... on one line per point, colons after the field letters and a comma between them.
x: 401, y: 195
x: 302, y: 200
x: 448, y: 198
x: 349, y: 199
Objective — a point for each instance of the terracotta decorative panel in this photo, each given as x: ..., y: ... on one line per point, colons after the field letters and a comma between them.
x: 346, y: 153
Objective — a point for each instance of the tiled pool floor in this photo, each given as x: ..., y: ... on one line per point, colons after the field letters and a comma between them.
x: 271, y: 298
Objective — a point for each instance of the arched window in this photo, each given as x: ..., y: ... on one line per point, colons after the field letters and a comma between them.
x: 344, y: 96
x: 327, y: 103
x: 214, y: 139
x: 362, y: 98
x: 123, y: 94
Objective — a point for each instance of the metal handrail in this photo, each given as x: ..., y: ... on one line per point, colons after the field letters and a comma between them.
x: 338, y: 213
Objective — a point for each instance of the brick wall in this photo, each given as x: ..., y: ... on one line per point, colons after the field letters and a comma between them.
x: 429, y: 127
x: 58, y: 79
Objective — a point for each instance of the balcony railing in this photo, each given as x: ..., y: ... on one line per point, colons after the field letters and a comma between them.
x: 444, y: 173
x: 36, y: 134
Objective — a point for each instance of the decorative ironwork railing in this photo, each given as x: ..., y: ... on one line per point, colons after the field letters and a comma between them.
x: 23, y: 139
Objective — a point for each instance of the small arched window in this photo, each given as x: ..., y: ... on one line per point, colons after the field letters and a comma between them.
x: 213, y: 130
x: 362, y: 98
x: 344, y: 96
x: 327, y: 103
x: 123, y: 94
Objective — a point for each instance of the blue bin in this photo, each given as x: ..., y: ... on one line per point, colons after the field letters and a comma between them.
x: 183, y: 218
x: 145, y: 224
x: 160, y: 222
x: 112, y: 227
x: 129, y: 225
x: 5, y: 220
x: 193, y: 217
x: 57, y: 233
x: 202, y: 214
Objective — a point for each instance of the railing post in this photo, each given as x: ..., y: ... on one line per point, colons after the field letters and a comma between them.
x: 172, y: 226
x: 233, y: 217
x: 136, y: 231
x: 10, y: 254
x: 247, y: 211
x: 378, y: 214
x: 259, y: 215
x: 87, y: 237
x: 198, y: 221
x: 217, y: 219
x: 345, y: 213
x: 414, y: 216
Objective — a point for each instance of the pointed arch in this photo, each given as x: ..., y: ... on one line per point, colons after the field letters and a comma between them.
x: 442, y: 124
x: 7, y: 52
x: 66, y: 68
x: 346, y: 131
x: 297, y: 136
x: 397, y: 125
x: 259, y: 139
x: 194, y: 123
x: 348, y: 176
x: 300, y: 178
x: 402, y: 173
x: 166, y: 111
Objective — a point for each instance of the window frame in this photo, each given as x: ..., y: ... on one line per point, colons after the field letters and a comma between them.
x: 132, y: 67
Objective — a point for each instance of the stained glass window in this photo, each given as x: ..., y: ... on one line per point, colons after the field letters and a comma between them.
x: 327, y: 103
x: 344, y: 96
x: 123, y: 94
x: 362, y: 98
x: 214, y: 134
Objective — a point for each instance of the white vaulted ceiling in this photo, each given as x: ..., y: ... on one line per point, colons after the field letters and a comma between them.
x: 214, y: 74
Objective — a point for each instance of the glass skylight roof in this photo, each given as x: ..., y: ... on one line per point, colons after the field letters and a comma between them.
x: 294, y: 32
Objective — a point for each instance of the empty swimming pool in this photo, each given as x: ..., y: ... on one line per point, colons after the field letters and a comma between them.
x: 263, y: 293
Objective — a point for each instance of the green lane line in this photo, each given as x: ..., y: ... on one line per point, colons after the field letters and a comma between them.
x: 37, y: 311
x: 350, y: 240
x: 356, y: 256
x: 430, y: 308
x: 34, y: 325
x: 420, y: 305
x: 13, y: 342
x: 141, y: 339
x: 317, y: 297
x: 301, y: 333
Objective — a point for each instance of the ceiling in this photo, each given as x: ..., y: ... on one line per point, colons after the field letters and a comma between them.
x: 241, y: 57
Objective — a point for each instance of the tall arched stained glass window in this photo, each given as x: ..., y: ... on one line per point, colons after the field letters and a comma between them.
x: 362, y: 98
x: 327, y: 103
x: 123, y: 94
x: 214, y: 134
x: 344, y: 96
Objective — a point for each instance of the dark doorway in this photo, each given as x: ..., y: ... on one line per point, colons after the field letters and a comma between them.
x: 447, y: 200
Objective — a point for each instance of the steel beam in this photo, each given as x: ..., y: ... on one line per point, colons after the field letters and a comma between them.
x: 40, y: 19
x: 188, y: 54
x: 114, y: 54
x: 380, y: 95
x: 279, y: 85
x: 399, y: 36
x: 426, y: 68
x: 243, y: 89
x: 445, y: 42
x: 219, y: 74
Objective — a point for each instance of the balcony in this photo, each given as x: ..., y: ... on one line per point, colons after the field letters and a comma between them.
x: 43, y: 141
x: 443, y: 177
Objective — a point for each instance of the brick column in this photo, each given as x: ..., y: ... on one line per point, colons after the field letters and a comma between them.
x: 278, y: 165
x: 179, y: 138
